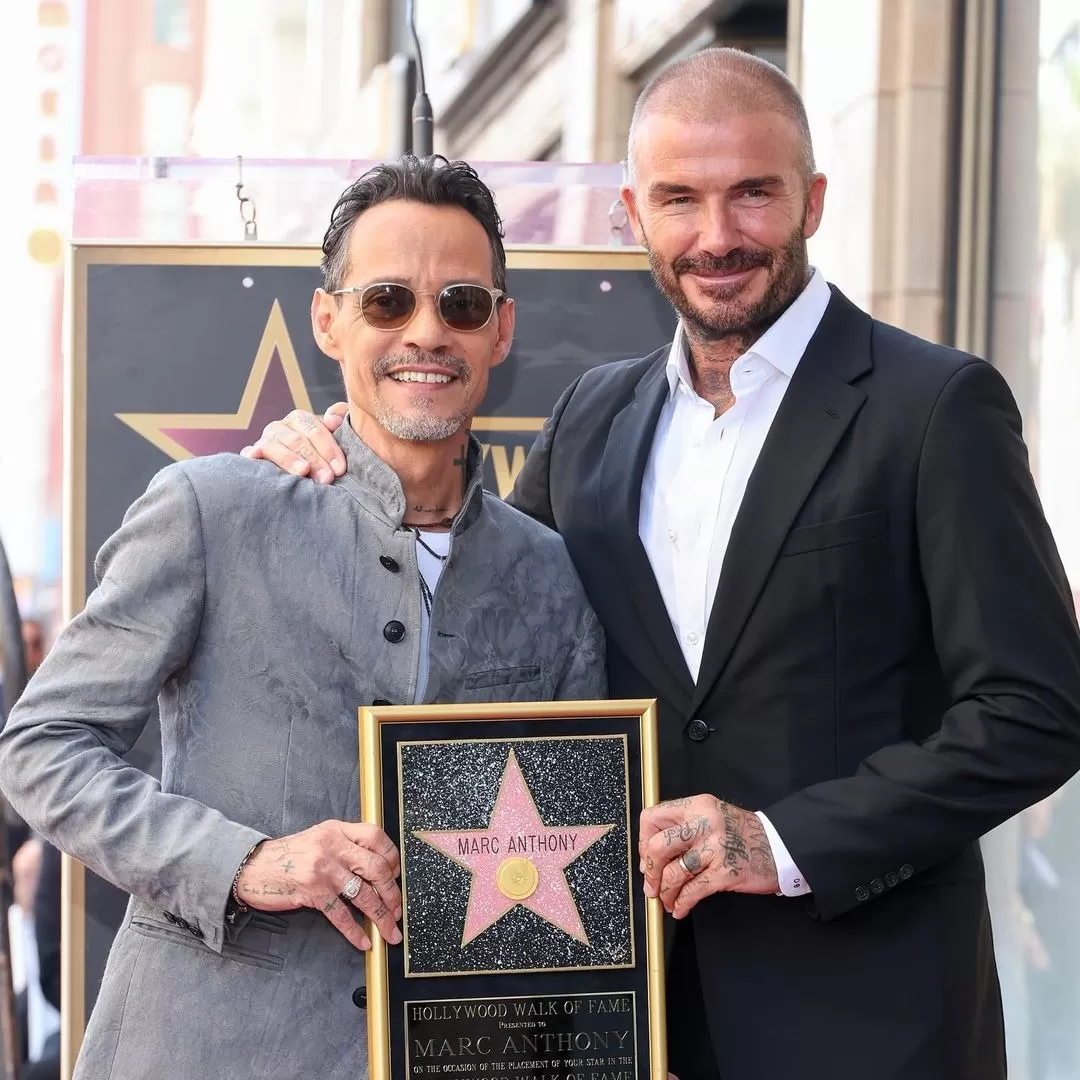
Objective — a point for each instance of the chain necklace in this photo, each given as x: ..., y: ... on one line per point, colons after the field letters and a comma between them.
x: 425, y: 592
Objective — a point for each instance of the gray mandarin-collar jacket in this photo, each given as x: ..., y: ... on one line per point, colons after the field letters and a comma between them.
x: 251, y: 607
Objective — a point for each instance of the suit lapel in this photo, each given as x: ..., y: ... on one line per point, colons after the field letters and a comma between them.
x: 651, y: 644
x: 819, y: 405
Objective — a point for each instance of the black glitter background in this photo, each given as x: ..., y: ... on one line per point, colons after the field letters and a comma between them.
x: 453, y: 785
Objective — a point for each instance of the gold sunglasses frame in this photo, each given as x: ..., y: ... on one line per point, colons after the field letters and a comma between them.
x: 497, y: 296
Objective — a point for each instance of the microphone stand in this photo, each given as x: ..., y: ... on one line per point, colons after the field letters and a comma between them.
x: 423, y: 122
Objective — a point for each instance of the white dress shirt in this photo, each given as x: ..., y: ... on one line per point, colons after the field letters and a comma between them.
x: 696, y: 476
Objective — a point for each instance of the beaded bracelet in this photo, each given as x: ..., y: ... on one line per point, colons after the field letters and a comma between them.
x: 236, y: 877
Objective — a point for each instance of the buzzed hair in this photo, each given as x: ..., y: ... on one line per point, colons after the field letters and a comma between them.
x: 718, y: 82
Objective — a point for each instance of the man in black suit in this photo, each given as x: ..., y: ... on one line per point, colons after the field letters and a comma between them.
x: 816, y: 540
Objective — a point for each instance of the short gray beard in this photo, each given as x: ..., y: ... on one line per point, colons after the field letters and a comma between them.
x: 418, y: 428
x: 423, y: 427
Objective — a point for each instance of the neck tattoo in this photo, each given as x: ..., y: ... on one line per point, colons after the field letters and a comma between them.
x: 461, y: 462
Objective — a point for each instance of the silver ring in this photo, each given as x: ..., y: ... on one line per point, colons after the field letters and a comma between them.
x: 352, y: 888
x: 686, y: 869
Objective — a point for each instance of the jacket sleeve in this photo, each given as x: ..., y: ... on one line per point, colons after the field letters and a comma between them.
x: 531, y: 493
x: 61, y: 752
x: 1005, y: 634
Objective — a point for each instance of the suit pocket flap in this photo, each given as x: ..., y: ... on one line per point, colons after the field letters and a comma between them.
x: 836, y: 533
x: 152, y: 928
x: 507, y: 676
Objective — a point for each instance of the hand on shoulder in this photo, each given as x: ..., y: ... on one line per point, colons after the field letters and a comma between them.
x: 303, y: 444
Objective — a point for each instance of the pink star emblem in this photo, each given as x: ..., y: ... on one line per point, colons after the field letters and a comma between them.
x: 517, y: 859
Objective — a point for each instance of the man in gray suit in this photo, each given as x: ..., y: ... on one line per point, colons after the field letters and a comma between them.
x: 247, y: 865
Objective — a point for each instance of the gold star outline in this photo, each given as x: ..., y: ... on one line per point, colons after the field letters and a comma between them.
x: 153, y: 426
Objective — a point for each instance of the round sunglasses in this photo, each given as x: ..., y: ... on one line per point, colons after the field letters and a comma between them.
x: 387, y: 305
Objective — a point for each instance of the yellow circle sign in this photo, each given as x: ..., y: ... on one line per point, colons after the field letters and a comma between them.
x: 45, y: 246
x: 517, y: 878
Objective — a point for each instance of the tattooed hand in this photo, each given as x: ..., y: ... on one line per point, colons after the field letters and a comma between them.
x: 310, y: 869
x: 724, y: 847
x: 304, y: 444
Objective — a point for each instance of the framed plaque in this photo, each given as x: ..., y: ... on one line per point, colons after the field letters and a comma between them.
x: 529, y: 951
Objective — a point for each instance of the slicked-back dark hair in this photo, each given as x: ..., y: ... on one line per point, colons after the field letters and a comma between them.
x: 433, y: 181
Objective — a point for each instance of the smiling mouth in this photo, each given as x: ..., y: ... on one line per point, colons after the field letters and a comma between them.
x: 721, y: 275
x: 421, y: 377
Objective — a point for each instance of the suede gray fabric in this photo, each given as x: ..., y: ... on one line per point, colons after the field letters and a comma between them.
x: 250, y: 607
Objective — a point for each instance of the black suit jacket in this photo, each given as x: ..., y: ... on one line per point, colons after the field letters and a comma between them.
x: 891, y: 669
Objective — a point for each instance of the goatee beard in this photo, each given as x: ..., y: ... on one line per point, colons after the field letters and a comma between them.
x: 421, y: 424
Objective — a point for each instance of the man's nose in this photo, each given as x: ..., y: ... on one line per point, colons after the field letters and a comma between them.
x: 719, y: 234
x: 427, y: 331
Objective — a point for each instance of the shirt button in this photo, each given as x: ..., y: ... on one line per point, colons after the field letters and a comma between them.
x: 697, y: 731
x: 862, y: 893
x: 393, y: 631
x: 906, y: 871
x: 389, y: 563
x: 692, y: 638
x: 672, y: 535
x: 877, y: 886
x: 891, y: 880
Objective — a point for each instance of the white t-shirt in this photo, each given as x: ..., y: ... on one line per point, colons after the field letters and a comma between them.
x: 430, y: 568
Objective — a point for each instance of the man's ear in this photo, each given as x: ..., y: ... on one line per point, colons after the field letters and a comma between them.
x: 324, y: 313
x: 506, y: 332
x: 629, y: 201
x: 815, y: 205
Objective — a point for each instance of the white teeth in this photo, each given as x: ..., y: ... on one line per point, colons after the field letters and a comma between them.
x: 419, y: 376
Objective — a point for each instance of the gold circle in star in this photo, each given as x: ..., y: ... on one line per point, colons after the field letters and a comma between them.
x: 517, y: 878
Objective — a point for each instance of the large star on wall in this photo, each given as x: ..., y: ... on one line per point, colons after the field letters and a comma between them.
x: 517, y: 859
x: 275, y: 387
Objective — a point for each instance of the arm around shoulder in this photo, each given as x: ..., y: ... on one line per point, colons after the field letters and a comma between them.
x: 61, y: 751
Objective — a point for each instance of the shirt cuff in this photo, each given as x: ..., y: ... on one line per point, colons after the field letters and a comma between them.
x: 792, y: 883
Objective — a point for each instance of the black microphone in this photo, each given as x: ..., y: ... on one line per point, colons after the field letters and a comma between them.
x: 423, y: 122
